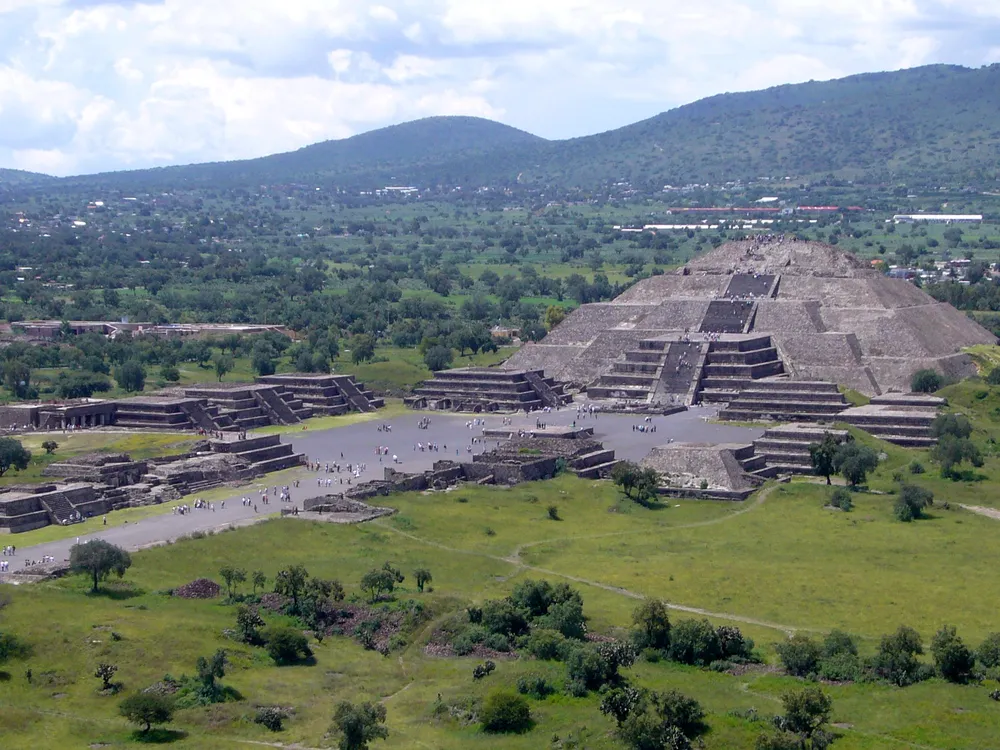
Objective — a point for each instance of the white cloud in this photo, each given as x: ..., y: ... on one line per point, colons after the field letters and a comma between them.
x: 90, y: 86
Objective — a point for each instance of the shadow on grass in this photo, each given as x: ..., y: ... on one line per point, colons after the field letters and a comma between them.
x: 117, y: 592
x: 5, y: 676
x: 158, y: 736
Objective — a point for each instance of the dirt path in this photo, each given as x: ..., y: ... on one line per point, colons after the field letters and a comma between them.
x: 514, y: 559
x: 981, y: 511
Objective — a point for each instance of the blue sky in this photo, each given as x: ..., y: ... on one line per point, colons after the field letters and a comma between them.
x: 88, y: 85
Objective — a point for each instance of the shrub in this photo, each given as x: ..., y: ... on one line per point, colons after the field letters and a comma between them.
x: 270, y: 717
x: 916, y: 467
x: 994, y: 377
x: 497, y: 642
x: 910, y: 502
x: 286, y: 645
x: 896, y: 662
x: 734, y: 644
x: 534, y: 685
x: 841, y: 667
x: 462, y: 645
x: 545, y: 644
x: 501, y: 616
x: 553, y: 513
x: 954, y: 660
x: 504, y: 711
x: 695, y: 642
x: 483, y: 670
x: 841, y: 498
x: 799, y: 655
x: 988, y: 652
x: 926, y: 381
x: 956, y: 425
x: 50, y: 446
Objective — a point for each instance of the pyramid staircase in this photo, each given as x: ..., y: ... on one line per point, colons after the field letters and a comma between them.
x: 732, y: 365
x: 785, y: 448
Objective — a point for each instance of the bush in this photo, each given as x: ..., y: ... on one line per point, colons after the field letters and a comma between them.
x: 799, y: 655
x: 652, y: 625
x: 695, y: 642
x: 916, y: 467
x: 926, y: 381
x: 954, y: 660
x: 951, y: 424
x: 553, y: 513
x: 545, y: 644
x: 286, y: 645
x: 497, y: 642
x: 910, y: 502
x: 988, y: 652
x: 896, y: 662
x: 841, y: 499
x: 504, y: 711
x: 147, y: 709
x: 535, y: 685
x: 734, y: 645
x: 271, y: 717
x: 994, y: 377
x: 501, y: 616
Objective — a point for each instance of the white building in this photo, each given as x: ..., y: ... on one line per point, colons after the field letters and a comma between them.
x: 938, y: 218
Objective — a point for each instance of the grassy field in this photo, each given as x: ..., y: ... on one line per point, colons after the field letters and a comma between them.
x: 782, y: 562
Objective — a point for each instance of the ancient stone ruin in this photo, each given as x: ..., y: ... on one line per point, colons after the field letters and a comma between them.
x: 218, y: 407
x: 98, y: 483
x: 756, y: 309
x: 479, y: 389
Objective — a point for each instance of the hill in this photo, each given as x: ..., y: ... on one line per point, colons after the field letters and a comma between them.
x: 933, y: 125
x: 406, y: 147
x: 17, y: 177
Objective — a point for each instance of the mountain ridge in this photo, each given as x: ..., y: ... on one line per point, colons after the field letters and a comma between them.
x: 933, y: 123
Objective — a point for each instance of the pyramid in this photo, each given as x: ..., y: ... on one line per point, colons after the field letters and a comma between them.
x: 770, y: 306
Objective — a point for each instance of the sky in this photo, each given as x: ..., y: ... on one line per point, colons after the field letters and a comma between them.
x: 95, y: 85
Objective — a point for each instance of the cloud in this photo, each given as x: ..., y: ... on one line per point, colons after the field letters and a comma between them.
x: 90, y: 85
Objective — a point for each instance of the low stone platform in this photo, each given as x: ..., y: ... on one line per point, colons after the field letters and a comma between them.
x: 903, y: 424
x: 722, y: 468
x: 479, y: 389
x: 785, y: 448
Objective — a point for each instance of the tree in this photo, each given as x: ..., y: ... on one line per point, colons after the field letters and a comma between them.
x: 926, y: 381
x: 806, y: 711
x: 13, y: 455
x: 376, y: 583
x: 662, y: 721
x: 554, y: 315
x: 423, y: 577
x: 248, y: 624
x: 989, y: 651
x: 695, y: 642
x: 50, y: 446
x: 131, y: 376
x: 147, y: 709
x: 652, y: 625
x: 286, y: 645
x: 259, y: 580
x: 105, y: 673
x: 233, y: 577
x: 224, y: 363
x: 17, y: 377
x: 359, y: 725
x: 291, y: 582
x: 209, y: 670
x: 896, y: 658
x: 438, y: 358
x: 799, y: 655
x: 823, y: 455
x: 855, y: 461
x: 262, y: 359
x: 362, y: 348
x: 504, y: 711
x: 911, y: 501
x: 98, y: 559
x: 957, y: 425
x: 619, y: 702
x: 952, y: 657
x: 632, y: 478
x: 170, y: 373
x: 951, y: 451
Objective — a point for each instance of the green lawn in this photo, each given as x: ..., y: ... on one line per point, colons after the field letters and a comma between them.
x: 785, y: 560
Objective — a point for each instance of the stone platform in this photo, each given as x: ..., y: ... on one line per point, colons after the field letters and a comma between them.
x: 479, y: 389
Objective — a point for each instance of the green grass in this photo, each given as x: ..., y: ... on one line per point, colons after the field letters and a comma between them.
x: 786, y: 561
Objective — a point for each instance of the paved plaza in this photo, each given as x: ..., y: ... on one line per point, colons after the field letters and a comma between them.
x: 358, y: 443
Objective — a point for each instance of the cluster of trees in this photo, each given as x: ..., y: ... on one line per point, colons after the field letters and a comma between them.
x: 955, y: 447
x: 895, y: 661
x: 849, y: 458
x: 638, y: 483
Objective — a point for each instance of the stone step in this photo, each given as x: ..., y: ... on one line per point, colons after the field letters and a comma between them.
x: 791, y: 469
x: 778, y: 406
x: 597, y: 471
x: 795, y: 459
x: 277, y: 464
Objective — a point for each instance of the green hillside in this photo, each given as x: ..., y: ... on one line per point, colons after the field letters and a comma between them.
x: 405, y: 148
x: 11, y: 178
x: 931, y: 126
